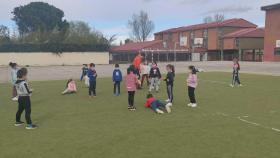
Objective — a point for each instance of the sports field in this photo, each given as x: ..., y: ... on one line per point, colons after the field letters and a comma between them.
x: 229, y: 122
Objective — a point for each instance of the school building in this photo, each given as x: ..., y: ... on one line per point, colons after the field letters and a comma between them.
x: 202, y: 42
x: 272, y: 33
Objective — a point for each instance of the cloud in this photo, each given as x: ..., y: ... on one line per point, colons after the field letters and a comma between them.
x: 230, y: 9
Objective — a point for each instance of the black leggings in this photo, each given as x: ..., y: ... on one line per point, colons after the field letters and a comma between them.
x: 131, y: 98
x: 24, y: 104
x: 170, y: 92
x: 92, y: 88
x: 117, y: 84
x: 191, y: 94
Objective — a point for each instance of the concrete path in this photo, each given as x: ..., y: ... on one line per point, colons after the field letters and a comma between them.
x: 66, y: 72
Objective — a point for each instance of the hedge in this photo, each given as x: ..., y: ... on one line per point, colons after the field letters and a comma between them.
x: 55, y: 48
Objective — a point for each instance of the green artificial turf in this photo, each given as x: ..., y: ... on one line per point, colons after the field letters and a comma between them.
x: 76, y: 126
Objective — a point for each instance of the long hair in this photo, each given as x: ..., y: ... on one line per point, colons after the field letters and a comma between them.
x: 193, y: 69
x: 172, y: 68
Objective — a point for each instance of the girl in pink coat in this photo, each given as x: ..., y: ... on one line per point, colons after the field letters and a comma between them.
x: 131, y: 83
x: 70, y: 87
x: 192, y: 82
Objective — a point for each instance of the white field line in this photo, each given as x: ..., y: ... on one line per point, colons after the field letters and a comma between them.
x: 216, y: 82
x: 241, y: 118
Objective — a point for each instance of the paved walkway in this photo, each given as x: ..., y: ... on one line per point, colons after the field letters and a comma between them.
x: 66, y: 72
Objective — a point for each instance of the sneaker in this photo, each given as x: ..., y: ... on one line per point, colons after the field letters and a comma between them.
x: 231, y: 85
x: 190, y: 104
x: 31, y: 127
x: 194, y: 105
x: 168, y: 100
x: 19, y: 123
x: 15, y: 99
x: 159, y: 111
x: 168, y: 107
x: 240, y: 85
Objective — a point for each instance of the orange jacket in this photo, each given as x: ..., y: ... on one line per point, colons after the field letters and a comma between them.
x: 137, y: 61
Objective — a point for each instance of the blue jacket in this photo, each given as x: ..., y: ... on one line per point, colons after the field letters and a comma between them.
x: 117, y: 75
x: 92, y: 75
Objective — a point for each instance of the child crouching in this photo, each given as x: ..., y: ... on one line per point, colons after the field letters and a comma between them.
x: 156, y: 105
x: 70, y: 87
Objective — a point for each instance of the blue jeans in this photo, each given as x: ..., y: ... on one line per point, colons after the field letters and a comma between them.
x: 157, y: 104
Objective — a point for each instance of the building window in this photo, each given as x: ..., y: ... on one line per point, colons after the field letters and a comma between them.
x: 169, y: 36
x: 237, y: 43
x: 205, y: 33
x: 277, y: 51
x: 192, y: 35
x: 183, y: 40
x: 164, y: 44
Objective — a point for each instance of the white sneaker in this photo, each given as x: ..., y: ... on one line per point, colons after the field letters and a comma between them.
x: 232, y: 85
x: 167, y: 100
x: 168, y: 108
x: 194, y: 105
x: 159, y: 111
x: 190, y: 104
x: 240, y: 85
x: 15, y: 99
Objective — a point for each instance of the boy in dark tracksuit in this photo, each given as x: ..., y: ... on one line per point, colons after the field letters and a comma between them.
x: 92, y: 75
x: 24, y: 103
x: 155, y: 77
x: 117, y: 79
x: 169, y: 82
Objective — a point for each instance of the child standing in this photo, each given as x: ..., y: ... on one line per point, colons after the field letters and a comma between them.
x: 170, y: 82
x: 155, y: 77
x: 145, y: 70
x: 70, y: 87
x: 84, y: 71
x: 192, y: 82
x: 131, y: 82
x: 24, y: 103
x: 92, y: 75
x: 14, y: 71
x: 156, y: 105
x: 235, y: 74
x: 117, y: 79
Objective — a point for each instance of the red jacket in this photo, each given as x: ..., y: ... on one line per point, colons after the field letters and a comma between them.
x: 149, y: 102
x: 137, y: 61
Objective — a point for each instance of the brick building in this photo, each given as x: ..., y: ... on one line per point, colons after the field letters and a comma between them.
x: 272, y: 33
x: 209, y: 41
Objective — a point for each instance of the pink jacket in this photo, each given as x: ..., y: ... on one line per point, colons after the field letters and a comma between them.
x: 131, y: 82
x: 72, y: 86
x: 192, y: 80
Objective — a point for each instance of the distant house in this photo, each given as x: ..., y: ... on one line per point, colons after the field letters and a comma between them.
x: 208, y: 41
x: 272, y: 33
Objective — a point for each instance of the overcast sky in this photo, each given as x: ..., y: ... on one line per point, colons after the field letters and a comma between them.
x: 111, y: 16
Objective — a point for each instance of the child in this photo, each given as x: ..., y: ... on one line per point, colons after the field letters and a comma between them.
x: 235, y: 74
x: 169, y: 82
x: 145, y: 70
x: 24, y: 102
x: 92, y: 75
x: 13, y: 80
x: 155, y: 77
x: 155, y: 104
x: 131, y: 83
x: 70, y: 87
x: 117, y: 79
x: 84, y: 71
x: 192, y: 82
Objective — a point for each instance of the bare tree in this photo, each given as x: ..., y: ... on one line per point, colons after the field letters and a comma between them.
x: 216, y: 18
x: 141, y: 26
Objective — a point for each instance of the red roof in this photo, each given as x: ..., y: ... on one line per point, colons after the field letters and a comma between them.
x: 250, y: 32
x: 135, y: 47
x: 226, y: 23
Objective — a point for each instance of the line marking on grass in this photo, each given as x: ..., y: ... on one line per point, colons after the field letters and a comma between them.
x: 217, y: 82
x: 249, y: 122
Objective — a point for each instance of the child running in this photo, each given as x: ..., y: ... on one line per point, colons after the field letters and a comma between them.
x: 92, y: 75
x: 192, y: 82
x: 13, y: 80
x: 156, y: 105
x: 24, y: 103
x: 131, y: 82
x: 155, y: 77
x: 70, y: 87
x: 235, y: 74
x: 117, y: 79
x: 170, y: 82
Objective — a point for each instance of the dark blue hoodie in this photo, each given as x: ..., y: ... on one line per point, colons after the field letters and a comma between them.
x: 117, y: 75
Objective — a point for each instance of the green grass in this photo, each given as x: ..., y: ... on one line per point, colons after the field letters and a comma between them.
x: 75, y: 126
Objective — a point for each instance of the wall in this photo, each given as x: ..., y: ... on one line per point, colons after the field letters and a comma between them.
x: 46, y: 59
x: 212, y: 39
x: 272, y: 33
x: 229, y: 43
x: 251, y: 43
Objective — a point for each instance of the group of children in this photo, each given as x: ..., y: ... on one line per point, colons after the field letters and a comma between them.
x: 22, y: 92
